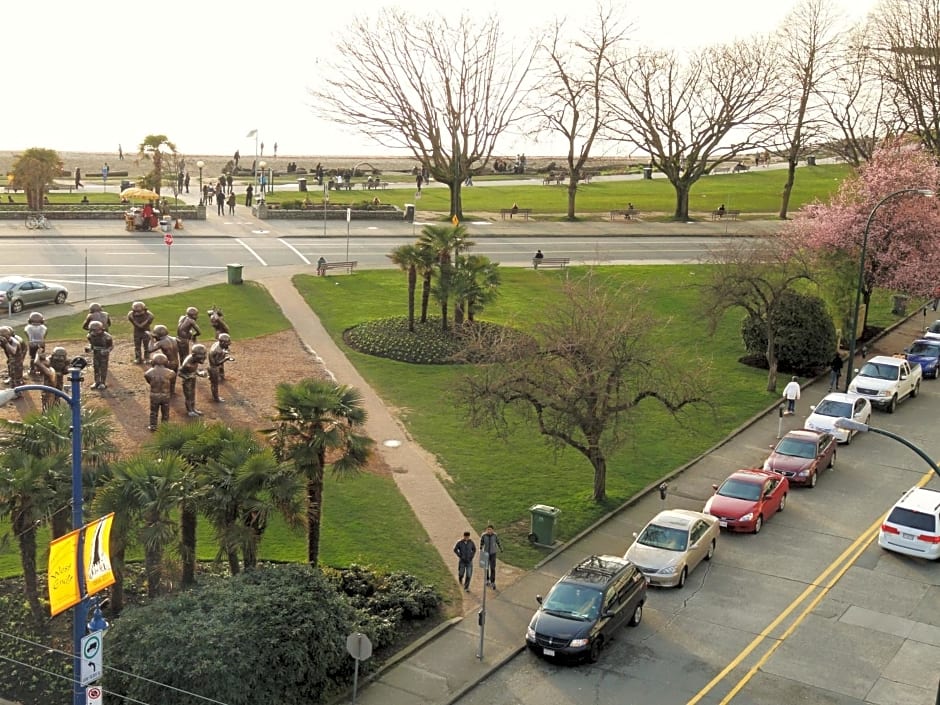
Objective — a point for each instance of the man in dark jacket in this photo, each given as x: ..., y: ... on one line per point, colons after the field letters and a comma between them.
x: 465, y: 550
x: 489, y: 544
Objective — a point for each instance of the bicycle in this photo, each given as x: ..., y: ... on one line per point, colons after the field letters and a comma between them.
x: 37, y: 221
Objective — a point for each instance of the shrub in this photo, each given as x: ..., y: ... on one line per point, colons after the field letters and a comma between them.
x: 806, y: 336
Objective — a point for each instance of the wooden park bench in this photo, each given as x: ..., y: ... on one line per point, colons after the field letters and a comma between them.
x: 560, y: 262
x: 515, y: 211
x: 348, y: 266
x: 722, y: 215
x: 627, y: 213
x: 553, y: 178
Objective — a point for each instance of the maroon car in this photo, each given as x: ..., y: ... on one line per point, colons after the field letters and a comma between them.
x: 747, y: 499
x: 802, y: 455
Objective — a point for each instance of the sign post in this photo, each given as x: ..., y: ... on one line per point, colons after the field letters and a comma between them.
x: 360, y: 648
x: 168, y: 239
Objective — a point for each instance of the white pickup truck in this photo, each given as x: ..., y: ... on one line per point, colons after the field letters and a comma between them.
x: 885, y: 381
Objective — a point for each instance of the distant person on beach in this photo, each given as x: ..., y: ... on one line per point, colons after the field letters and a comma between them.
x: 236, y: 158
x: 120, y: 152
x: 78, y: 177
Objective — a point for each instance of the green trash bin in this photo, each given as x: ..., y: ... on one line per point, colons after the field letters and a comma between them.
x: 234, y: 273
x: 543, y: 524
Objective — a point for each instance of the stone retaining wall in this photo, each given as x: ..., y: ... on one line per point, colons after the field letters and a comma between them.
x: 185, y: 212
x: 265, y: 213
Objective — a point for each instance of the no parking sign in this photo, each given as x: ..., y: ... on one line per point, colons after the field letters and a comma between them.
x: 168, y: 239
x: 94, y: 695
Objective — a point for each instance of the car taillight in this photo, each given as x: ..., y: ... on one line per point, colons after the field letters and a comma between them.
x: 888, y: 529
x: 927, y: 538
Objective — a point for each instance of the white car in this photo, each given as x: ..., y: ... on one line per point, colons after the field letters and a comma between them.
x: 838, y: 405
x: 933, y: 331
x: 913, y: 525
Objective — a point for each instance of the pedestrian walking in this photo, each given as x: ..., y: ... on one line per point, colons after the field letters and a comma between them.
x: 78, y: 178
x: 465, y: 550
x: 186, y: 181
x: 231, y: 203
x: 180, y: 178
x: 835, y: 371
x: 249, y: 194
x: 230, y: 182
x: 537, y: 259
x: 120, y: 152
x: 791, y: 393
x: 490, y: 545
x: 220, y: 198
x: 419, y: 180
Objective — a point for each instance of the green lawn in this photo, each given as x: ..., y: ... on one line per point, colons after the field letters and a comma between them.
x: 752, y: 192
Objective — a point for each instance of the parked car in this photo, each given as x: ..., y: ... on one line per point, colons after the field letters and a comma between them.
x: 19, y: 292
x: 925, y: 352
x: 837, y: 405
x: 933, y: 331
x: 673, y: 544
x: 801, y: 455
x: 747, y: 499
x: 581, y: 612
x: 913, y: 525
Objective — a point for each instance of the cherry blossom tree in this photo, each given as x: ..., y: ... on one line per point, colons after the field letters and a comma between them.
x: 902, y: 250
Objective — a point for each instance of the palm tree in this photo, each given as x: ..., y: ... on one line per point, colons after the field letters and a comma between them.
x: 34, y: 171
x: 27, y: 497
x: 408, y: 258
x: 153, y: 148
x: 317, y: 420
x: 240, y: 486
x: 483, y: 278
x: 444, y: 241
x: 425, y: 265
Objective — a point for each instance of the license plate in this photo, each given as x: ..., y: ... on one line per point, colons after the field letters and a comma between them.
x: 548, y: 652
x: 723, y: 524
x: 909, y: 537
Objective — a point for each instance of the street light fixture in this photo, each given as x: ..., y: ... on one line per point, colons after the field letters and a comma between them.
x: 200, y: 164
x: 80, y: 616
x: 861, y: 270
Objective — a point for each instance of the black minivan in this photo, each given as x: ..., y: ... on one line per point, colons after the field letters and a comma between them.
x: 585, y: 607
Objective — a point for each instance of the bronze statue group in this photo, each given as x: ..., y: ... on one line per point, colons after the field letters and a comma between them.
x: 169, y: 357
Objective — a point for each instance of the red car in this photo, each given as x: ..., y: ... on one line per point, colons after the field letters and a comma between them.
x: 747, y: 499
x: 802, y: 455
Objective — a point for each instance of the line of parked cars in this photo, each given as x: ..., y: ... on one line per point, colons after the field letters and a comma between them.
x: 601, y: 593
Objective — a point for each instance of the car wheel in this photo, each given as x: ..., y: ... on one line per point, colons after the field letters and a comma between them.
x: 915, y: 391
x: 812, y: 480
x: 758, y: 525
x: 637, y: 615
x: 892, y: 405
x: 783, y: 503
x: 60, y: 297
x: 17, y: 306
x: 711, y: 551
x: 682, y: 576
x: 595, y: 653
x: 848, y: 437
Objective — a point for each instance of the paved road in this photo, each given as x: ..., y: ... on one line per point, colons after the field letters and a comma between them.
x: 809, y: 611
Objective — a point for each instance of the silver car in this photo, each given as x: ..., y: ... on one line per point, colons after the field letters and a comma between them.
x: 673, y: 544
x: 19, y: 292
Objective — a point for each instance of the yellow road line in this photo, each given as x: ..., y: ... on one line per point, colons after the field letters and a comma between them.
x: 854, y: 550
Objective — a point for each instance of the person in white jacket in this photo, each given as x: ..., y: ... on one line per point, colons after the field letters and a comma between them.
x: 791, y: 393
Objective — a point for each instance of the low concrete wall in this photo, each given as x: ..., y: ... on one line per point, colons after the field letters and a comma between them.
x: 91, y: 213
x: 265, y: 213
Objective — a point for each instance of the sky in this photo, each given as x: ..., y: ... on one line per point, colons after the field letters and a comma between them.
x: 92, y: 76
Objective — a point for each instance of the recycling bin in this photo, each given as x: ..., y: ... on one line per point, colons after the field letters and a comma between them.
x: 234, y: 273
x: 301, y: 184
x: 811, y: 160
x: 543, y: 524
x: 409, y: 215
x: 647, y: 172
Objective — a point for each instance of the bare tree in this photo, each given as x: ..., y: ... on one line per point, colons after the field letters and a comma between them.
x: 444, y: 91
x: 755, y: 277
x: 691, y: 116
x: 807, y: 45
x: 582, y: 376
x: 569, y: 92
x: 906, y: 37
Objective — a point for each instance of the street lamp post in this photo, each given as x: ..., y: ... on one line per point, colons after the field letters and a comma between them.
x: 200, y: 164
x: 861, y: 272
x: 80, y: 615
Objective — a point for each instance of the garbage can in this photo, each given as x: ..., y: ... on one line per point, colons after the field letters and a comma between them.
x: 900, y: 305
x: 811, y: 160
x: 301, y: 184
x: 125, y: 184
x: 234, y: 273
x: 165, y: 224
x: 647, y: 172
x: 543, y: 524
x: 409, y: 216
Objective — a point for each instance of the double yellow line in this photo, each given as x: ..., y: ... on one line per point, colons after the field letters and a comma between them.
x: 823, y: 584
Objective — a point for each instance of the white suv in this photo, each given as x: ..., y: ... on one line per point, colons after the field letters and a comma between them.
x: 913, y: 525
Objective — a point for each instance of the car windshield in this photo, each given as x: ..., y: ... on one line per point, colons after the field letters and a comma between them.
x: 575, y: 601
x: 667, y: 537
x: 736, y: 489
x: 924, y: 349
x: 796, y: 448
x: 881, y: 371
x: 829, y: 407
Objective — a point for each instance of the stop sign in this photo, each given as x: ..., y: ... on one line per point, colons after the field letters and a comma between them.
x: 168, y: 239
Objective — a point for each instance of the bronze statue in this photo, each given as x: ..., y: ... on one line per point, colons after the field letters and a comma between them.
x: 141, y: 319
x: 48, y: 376
x: 36, y: 338
x: 15, y: 350
x: 165, y: 343
x: 218, y: 323
x: 59, y: 362
x: 95, y: 313
x: 218, y: 356
x: 187, y: 331
x: 100, y: 343
x: 161, y: 380
x: 189, y: 370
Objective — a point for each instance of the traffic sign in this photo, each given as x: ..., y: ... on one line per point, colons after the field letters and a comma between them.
x: 359, y: 646
x: 92, y: 658
x: 94, y: 695
x: 168, y: 239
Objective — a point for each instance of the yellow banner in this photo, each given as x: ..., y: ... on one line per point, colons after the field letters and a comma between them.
x: 63, y: 572
x: 96, y: 556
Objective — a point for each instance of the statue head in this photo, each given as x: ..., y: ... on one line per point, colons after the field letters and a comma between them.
x: 138, y: 307
x: 95, y: 327
x: 36, y: 318
x: 159, y: 359
x: 225, y: 340
x: 94, y: 308
x: 160, y: 331
x: 192, y: 312
x: 198, y: 351
x: 6, y: 332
